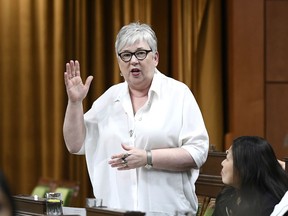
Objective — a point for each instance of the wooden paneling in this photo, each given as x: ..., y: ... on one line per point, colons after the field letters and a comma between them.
x: 276, y: 40
x: 245, y: 69
x: 277, y: 118
x: 276, y: 83
x: 257, y: 70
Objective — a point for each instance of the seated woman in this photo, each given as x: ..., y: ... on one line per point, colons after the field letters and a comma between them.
x: 255, y: 180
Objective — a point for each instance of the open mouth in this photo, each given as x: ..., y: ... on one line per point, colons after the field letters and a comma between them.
x: 135, y: 71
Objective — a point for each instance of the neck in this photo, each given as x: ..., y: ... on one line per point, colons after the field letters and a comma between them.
x: 138, y: 93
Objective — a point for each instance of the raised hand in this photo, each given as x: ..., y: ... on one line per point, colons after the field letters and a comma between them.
x: 75, y: 88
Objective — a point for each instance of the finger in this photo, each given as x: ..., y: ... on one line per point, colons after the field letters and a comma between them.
x: 68, y: 70
x: 72, y: 68
x: 116, y: 156
x: 66, y: 77
x: 77, y: 68
x: 125, y: 156
x: 124, y: 167
x: 115, y: 161
x: 124, y: 161
x: 120, y: 155
x: 121, y: 163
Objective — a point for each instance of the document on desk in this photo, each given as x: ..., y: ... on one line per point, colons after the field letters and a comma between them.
x: 74, y: 211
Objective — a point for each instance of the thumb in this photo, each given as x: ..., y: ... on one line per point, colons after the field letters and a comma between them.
x: 126, y: 147
x: 88, y: 81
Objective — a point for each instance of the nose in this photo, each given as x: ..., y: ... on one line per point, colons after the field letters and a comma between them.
x: 134, y: 59
x: 222, y: 163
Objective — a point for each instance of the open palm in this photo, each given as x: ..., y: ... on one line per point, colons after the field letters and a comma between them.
x: 75, y: 88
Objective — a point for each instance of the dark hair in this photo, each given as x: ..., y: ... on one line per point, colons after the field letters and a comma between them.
x: 260, y: 175
x: 4, y: 187
x: 258, y: 167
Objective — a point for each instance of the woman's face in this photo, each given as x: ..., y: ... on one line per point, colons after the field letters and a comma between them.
x: 227, y: 173
x: 138, y: 73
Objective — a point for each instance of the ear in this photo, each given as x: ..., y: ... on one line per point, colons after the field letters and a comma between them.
x: 156, y: 58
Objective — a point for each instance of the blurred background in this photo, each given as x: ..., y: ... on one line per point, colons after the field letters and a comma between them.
x: 232, y: 54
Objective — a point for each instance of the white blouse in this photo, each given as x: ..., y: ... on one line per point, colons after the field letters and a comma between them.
x: 170, y: 118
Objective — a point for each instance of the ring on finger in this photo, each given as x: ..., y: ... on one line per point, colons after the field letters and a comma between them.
x: 124, y: 161
x: 125, y: 156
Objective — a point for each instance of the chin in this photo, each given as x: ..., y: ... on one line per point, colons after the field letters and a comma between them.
x: 225, y: 181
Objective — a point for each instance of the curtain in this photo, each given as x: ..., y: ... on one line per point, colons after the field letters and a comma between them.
x: 39, y: 36
x: 197, y: 59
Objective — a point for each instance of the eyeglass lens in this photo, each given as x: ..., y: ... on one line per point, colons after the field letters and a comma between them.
x: 140, y: 55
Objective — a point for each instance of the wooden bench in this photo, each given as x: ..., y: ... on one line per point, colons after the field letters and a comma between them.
x: 209, y: 183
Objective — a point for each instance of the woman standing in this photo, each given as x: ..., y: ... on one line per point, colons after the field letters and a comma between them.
x: 144, y: 139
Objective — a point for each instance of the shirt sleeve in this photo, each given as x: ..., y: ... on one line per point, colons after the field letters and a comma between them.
x: 194, y: 136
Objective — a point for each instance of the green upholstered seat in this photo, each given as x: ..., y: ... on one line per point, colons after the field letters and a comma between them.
x: 40, y: 190
x: 66, y: 194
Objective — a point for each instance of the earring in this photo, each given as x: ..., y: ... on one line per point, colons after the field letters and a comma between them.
x: 121, y: 74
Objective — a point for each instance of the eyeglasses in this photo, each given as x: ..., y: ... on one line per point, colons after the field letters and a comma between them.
x: 139, y: 54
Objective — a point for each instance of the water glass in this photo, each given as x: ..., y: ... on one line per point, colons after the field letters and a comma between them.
x: 94, y: 202
x: 54, y: 204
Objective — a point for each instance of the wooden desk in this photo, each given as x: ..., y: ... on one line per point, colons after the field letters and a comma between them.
x: 26, y: 205
x: 111, y: 212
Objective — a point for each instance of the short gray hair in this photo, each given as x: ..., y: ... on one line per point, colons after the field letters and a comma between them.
x: 135, y: 32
